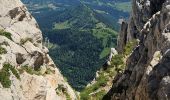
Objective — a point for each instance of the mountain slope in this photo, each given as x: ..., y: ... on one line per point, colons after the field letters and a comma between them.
x: 26, y: 70
x: 147, y: 69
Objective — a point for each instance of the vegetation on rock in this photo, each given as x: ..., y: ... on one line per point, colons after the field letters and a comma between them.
x: 5, y: 75
x: 2, y: 50
x: 6, y: 34
x: 62, y: 90
x: 118, y: 63
x: 29, y: 70
x: 95, y: 91
x: 130, y: 46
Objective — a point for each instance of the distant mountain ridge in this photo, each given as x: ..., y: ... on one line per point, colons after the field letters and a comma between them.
x: 113, y: 8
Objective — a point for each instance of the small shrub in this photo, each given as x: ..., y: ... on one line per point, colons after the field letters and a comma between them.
x: 12, y: 68
x: 29, y: 70
x: 2, y: 50
x: 101, y: 81
x: 84, y: 95
x: 23, y: 41
x: 14, y: 71
x: 6, y: 34
x: 49, y: 71
x: 5, y: 75
x: 130, y: 46
x: 62, y: 89
x: 117, y: 60
x: 118, y: 63
x: 67, y: 96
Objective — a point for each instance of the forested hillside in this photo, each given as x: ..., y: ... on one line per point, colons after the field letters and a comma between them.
x: 79, y: 34
x: 79, y: 44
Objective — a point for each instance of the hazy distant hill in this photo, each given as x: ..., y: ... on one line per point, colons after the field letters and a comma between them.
x: 112, y: 9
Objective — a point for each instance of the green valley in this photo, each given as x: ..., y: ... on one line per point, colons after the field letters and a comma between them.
x: 79, y: 34
x: 84, y: 43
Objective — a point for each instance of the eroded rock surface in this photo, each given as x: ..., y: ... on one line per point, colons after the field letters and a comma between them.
x: 25, y: 48
x: 148, y: 68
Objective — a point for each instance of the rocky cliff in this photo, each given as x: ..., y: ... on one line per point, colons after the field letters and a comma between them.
x: 27, y: 72
x: 147, y: 73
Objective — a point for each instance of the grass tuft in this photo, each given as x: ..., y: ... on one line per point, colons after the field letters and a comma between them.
x: 5, y: 75
x: 6, y: 34
x: 2, y: 50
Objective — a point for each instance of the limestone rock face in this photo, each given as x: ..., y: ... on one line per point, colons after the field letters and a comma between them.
x: 122, y: 38
x: 147, y: 74
x: 25, y: 48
